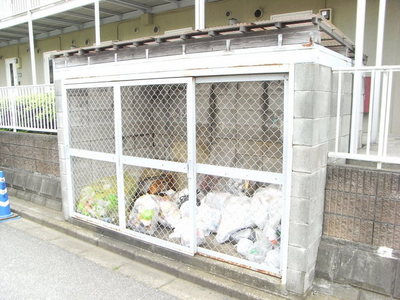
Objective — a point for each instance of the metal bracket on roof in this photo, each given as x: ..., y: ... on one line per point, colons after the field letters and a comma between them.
x: 280, y: 40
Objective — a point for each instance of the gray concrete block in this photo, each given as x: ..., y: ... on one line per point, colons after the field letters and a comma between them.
x: 311, y: 132
x: 367, y: 270
x: 309, y: 159
x: 59, y: 194
x: 299, y: 210
x: 307, y: 185
x: 24, y: 195
x: 312, y: 104
x: 295, y: 281
x: 49, y: 187
x: 34, y: 183
x: 53, y: 204
x: 328, y: 261
x: 308, y: 280
x: 305, y: 235
x: 304, y: 76
x: 396, y: 292
x: 323, y: 79
x: 11, y: 191
x: 19, y: 180
x: 297, y: 258
x: 9, y: 175
x: 40, y: 200
x: 26, y: 139
x: 310, y: 77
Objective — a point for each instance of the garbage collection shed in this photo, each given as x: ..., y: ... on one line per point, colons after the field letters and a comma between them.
x: 206, y: 142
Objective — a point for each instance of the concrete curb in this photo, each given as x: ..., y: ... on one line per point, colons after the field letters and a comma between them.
x: 227, y: 279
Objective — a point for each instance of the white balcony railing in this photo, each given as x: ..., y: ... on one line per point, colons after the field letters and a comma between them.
x: 10, y: 8
x: 376, y: 132
x: 30, y: 108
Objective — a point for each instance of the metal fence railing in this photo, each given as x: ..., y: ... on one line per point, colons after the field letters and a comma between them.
x: 14, y: 7
x: 30, y: 108
x: 374, y: 120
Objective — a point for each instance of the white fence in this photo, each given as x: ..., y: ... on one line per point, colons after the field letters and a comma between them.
x: 29, y: 108
x: 376, y: 121
x: 14, y: 7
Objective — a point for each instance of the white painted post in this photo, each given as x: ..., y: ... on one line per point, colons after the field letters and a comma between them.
x: 97, y: 21
x: 359, y: 53
x: 287, y: 169
x: 338, y: 110
x: 382, y: 120
x: 32, y: 48
x: 378, y: 62
x: 200, y: 14
x: 118, y: 151
x: 13, y: 109
x: 191, y: 150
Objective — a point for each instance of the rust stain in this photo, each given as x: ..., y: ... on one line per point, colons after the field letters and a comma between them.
x: 309, y: 44
x: 242, y: 266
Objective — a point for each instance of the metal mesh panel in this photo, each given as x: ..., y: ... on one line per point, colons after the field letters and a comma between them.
x: 91, y: 119
x: 154, y: 121
x: 241, y: 219
x: 240, y: 124
x: 155, y: 205
x: 95, y: 189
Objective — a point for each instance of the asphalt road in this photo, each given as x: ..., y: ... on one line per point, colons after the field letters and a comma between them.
x: 39, y: 263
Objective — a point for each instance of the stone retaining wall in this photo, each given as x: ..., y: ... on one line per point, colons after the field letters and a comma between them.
x: 361, y: 241
x: 30, y: 162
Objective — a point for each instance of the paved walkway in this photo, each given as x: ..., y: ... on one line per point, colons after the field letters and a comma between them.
x: 40, y: 263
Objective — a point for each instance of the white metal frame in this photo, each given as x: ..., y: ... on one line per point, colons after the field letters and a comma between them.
x: 191, y: 168
x: 381, y: 93
x: 120, y: 160
x: 282, y: 179
x: 13, y: 116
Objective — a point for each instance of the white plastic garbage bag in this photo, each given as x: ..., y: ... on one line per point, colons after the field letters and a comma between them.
x: 258, y: 251
x: 247, y: 233
x: 216, y: 200
x: 266, y: 206
x: 235, y: 215
x: 272, y: 259
x: 144, y: 215
x: 243, y: 246
x: 169, y: 213
x: 183, y: 231
x: 208, y: 219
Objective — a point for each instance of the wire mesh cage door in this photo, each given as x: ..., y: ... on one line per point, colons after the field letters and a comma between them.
x: 91, y: 127
x: 129, y: 159
x: 240, y: 149
x: 155, y: 160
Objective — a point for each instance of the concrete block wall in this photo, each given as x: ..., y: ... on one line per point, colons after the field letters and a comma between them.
x: 366, y: 271
x: 40, y: 189
x: 30, y: 163
x: 312, y: 114
x: 362, y: 205
x: 29, y: 152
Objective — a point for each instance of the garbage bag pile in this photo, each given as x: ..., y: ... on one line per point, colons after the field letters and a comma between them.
x: 248, y: 218
x: 250, y: 222
x: 99, y: 200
